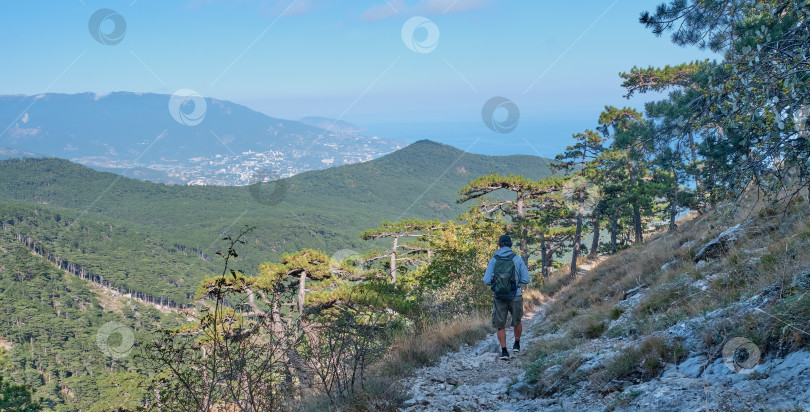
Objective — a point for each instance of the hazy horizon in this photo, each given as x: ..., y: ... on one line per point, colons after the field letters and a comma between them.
x: 371, y: 63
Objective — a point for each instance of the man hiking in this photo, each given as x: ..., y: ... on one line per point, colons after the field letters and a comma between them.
x: 505, y: 273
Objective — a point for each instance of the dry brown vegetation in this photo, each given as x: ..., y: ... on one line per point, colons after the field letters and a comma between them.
x: 407, y: 352
x: 411, y: 351
x: 774, y: 248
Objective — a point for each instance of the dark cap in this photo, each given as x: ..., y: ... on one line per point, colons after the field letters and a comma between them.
x: 505, y: 240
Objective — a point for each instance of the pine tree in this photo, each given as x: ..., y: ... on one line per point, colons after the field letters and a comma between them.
x: 409, y: 228
x: 625, y: 165
x: 757, y: 96
x: 583, y: 156
x: 527, y: 194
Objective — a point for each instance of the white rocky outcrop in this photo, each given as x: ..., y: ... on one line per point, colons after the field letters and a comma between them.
x: 719, y: 246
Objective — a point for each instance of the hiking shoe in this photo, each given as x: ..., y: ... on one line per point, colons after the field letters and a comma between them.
x: 516, y: 347
x: 504, y: 354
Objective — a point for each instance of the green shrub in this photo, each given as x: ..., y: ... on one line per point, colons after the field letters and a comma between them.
x: 595, y: 330
x: 616, y: 332
x: 768, y: 260
x: 588, y: 327
x: 663, y: 299
x: 644, y: 362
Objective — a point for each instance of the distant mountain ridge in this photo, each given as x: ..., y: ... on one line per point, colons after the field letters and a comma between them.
x: 136, y: 134
x: 332, y: 124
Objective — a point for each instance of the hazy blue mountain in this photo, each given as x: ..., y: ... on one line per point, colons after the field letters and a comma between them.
x: 332, y: 124
x: 122, y: 130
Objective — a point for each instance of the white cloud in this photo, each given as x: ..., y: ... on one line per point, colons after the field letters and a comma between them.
x: 392, y: 8
x: 383, y: 11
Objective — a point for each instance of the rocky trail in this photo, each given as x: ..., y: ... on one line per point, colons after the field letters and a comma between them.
x: 474, y: 379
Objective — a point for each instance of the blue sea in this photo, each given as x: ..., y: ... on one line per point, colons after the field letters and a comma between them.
x: 545, y: 138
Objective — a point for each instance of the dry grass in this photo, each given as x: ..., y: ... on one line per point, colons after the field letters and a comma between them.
x: 532, y: 297
x: 585, y: 301
x: 775, y: 245
x: 643, y: 362
x: 408, y: 352
x: 556, y: 281
x: 377, y: 394
x: 773, y: 250
x: 411, y: 351
x: 560, y: 278
x: 560, y: 356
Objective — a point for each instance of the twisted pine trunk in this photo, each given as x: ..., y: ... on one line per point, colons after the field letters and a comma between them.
x: 595, y: 241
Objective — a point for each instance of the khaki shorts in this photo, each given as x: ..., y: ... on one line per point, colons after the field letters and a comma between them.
x: 500, y: 308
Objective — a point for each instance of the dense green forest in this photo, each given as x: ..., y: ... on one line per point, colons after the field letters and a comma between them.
x: 319, y: 209
x: 110, y: 254
x: 158, y: 239
x: 50, y: 319
x: 725, y: 128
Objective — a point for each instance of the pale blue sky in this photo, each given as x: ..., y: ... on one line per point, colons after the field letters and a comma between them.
x: 555, y: 59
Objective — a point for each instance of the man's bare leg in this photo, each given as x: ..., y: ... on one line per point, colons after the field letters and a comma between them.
x: 502, y: 337
x: 518, y: 332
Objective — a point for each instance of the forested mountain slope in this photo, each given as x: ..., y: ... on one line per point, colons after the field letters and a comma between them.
x: 49, y: 321
x: 65, y: 226
x: 157, y: 239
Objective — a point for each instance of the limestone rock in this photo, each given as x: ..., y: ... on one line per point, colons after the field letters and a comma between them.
x: 521, y: 390
x: 670, y: 264
x: 633, y: 291
x: 801, y: 280
x: 693, y: 366
x: 595, y: 362
x: 551, y: 370
x: 719, y: 246
x: 688, y: 244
